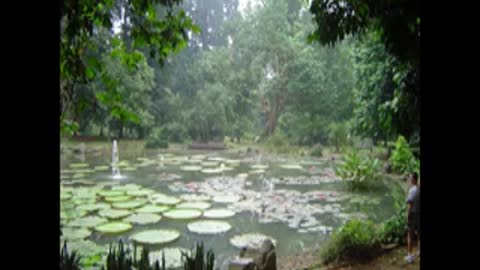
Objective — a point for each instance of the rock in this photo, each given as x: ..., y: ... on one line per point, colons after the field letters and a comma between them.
x: 269, y: 257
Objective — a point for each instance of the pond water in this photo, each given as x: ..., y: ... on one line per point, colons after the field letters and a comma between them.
x: 297, y: 205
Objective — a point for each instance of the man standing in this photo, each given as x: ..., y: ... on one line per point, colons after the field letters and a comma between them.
x: 413, y: 216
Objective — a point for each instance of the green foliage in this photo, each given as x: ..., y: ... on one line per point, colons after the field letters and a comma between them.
x: 394, y: 229
x: 157, y: 139
x: 198, y: 260
x: 69, y: 261
x: 338, y: 135
x: 317, y: 150
x: 121, y: 259
x: 359, y: 172
x: 402, y: 158
x: 354, y: 241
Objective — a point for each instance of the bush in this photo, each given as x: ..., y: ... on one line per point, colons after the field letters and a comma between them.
x: 317, y: 150
x: 359, y: 172
x: 394, y: 228
x: 354, y: 241
x: 338, y: 135
x: 156, y: 139
x: 402, y: 159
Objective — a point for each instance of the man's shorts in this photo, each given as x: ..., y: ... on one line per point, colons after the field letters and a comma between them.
x: 413, y: 224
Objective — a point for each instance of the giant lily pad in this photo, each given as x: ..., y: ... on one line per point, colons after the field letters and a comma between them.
x: 198, y: 157
x: 101, y: 168
x: 215, y: 170
x: 72, y: 214
x: 250, y: 240
x: 209, y: 227
x: 84, y: 171
x: 195, y: 197
x: 113, y: 227
x: 257, y: 171
x: 78, y: 165
x: 129, y: 204
x: 164, y: 199
x: 190, y: 168
x: 88, y: 222
x: 143, y: 218
x: 111, y: 193
x: 140, y: 192
x: 127, y: 187
x: 153, y: 237
x: 218, y: 213
x: 114, y: 213
x: 173, y: 257
x: 242, y: 175
x: 69, y: 233
x: 93, y: 207
x: 118, y: 199
x: 291, y: 166
x: 193, y: 161
x: 232, y: 161
x: 152, y: 209
x: 216, y: 159
x: 259, y: 166
x: 78, y: 175
x: 209, y: 164
x: 183, y: 213
x: 194, y: 205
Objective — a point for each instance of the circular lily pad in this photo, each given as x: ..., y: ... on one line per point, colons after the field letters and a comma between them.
x: 143, y: 218
x: 78, y: 165
x: 218, y: 213
x: 127, y: 187
x: 193, y: 161
x: 291, y: 166
x: 198, y: 157
x: 129, y: 169
x: 209, y: 164
x: 190, y: 168
x: 72, y: 214
x: 215, y: 170
x: 242, y: 175
x: 129, y: 204
x: 88, y: 222
x: 78, y: 175
x: 111, y: 193
x: 173, y: 257
x: 209, y: 227
x: 232, y: 161
x: 183, y: 213
x: 69, y: 233
x: 114, y: 227
x: 114, y: 213
x: 84, y: 171
x: 257, y: 171
x: 195, y: 197
x: 259, y: 166
x: 93, y: 207
x: 140, y: 192
x: 250, y: 240
x: 101, y: 168
x: 194, y: 205
x: 154, y: 237
x: 227, y: 198
x: 118, y: 199
x: 164, y: 199
x: 152, y: 209
x: 216, y: 159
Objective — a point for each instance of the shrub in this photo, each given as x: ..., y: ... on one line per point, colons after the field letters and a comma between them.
x: 402, y: 159
x: 156, y: 139
x: 317, y: 150
x: 354, y: 241
x: 394, y: 228
x: 359, y: 172
x: 338, y: 135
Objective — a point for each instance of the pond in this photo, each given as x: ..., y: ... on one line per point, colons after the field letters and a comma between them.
x: 296, y: 201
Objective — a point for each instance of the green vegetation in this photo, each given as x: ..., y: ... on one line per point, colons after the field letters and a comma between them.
x: 198, y: 259
x: 359, y: 172
x: 402, y: 159
x: 355, y: 241
x: 69, y: 260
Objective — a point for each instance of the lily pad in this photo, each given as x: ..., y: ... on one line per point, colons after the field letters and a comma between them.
x: 209, y: 227
x: 118, y: 199
x: 78, y: 165
x: 242, y: 175
x: 291, y: 166
x: 198, y: 157
x: 195, y: 197
x: 114, y: 213
x: 78, y: 175
x: 215, y: 170
x: 143, y: 218
x: 111, y: 193
x: 140, y: 192
x: 209, y: 163
x: 194, y: 205
x: 88, y: 222
x: 173, y: 257
x: 193, y: 161
x: 72, y: 214
x: 65, y: 196
x: 154, y: 237
x: 190, y: 168
x: 257, y: 171
x: 69, y: 233
x: 114, y: 227
x: 84, y: 171
x: 93, y: 207
x: 152, y: 209
x: 259, y: 166
x: 83, y: 182
x: 216, y: 159
x: 127, y: 187
x: 164, y: 199
x: 250, y: 240
x: 232, y: 161
x: 129, y: 169
x: 101, y: 168
x: 129, y: 204
x: 218, y: 213
x: 183, y: 213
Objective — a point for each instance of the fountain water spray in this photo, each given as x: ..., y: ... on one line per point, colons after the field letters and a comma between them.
x: 115, y: 170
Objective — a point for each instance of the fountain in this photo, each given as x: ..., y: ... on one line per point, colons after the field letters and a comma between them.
x: 115, y: 170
